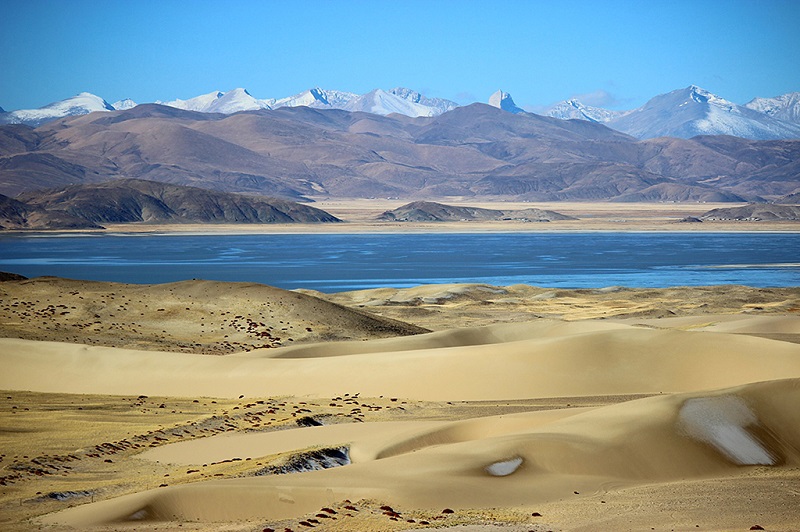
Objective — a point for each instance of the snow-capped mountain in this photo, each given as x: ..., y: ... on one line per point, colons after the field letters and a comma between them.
x: 82, y: 104
x: 682, y: 113
x: 316, y: 98
x: 693, y: 111
x: 121, y: 105
x: 440, y: 105
x: 785, y: 107
x: 220, y: 102
x: 503, y: 100
x: 398, y: 100
x: 381, y: 102
x: 572, y: 109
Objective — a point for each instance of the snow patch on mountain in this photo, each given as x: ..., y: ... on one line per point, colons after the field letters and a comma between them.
x: 503, y: 100
x: 81, y: 104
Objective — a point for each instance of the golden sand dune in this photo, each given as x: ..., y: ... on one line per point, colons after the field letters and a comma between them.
x: 724, y: 433
x: 538, y: 359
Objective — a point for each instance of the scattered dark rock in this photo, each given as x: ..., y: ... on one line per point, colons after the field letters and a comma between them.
x: 310, y: 461
x: 308, y: 421
x: 66, y: 495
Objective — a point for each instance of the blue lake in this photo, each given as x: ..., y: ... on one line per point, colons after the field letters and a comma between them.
x: 339, y: 262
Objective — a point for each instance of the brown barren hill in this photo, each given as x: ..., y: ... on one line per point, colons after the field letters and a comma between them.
x: 429, y: 211
x: 136, y: 200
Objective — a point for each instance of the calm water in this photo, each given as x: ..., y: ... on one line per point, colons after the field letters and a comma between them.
x: 338, y: 262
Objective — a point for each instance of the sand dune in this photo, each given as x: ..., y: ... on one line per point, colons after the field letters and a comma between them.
x: 658, y: 439
x: 541, y: 359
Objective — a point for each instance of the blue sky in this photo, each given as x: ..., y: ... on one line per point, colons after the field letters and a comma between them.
x: 615, y: 54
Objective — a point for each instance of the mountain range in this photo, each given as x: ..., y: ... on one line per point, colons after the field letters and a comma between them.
x: 683, y: 113
x: 477, y: 150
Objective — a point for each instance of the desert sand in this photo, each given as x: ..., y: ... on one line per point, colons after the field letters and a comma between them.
x: 522, y: 409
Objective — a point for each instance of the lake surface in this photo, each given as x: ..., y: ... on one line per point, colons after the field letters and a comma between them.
x: 340, y: 262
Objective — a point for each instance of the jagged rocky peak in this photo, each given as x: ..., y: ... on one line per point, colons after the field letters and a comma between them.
x: 503, y: 100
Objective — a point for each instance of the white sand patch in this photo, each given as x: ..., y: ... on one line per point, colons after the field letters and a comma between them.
x: 721, y: 422
x: 504, y: 468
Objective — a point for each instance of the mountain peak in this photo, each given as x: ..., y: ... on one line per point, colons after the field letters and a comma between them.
x: 503, y: 100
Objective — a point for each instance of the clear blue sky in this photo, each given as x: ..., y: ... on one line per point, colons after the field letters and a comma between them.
x: 616, y: 54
